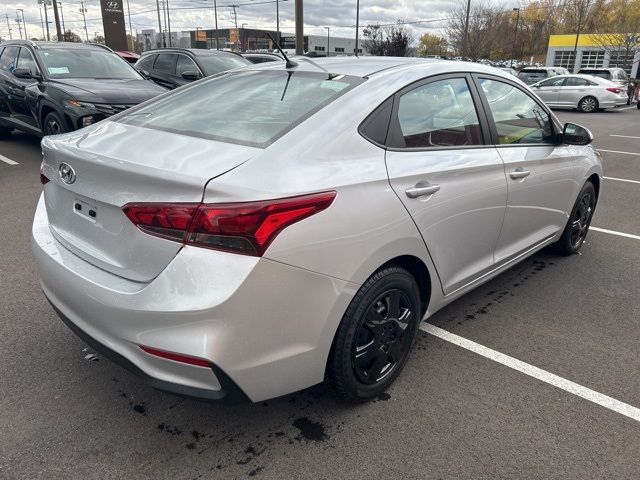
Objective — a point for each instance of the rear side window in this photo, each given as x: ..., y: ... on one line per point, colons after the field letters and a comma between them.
x: 8, y: 59
x: 437, y: 114
x: 597, y: 73
x: 533, y: 75
x: 518, y: 118
x: 166, y: 63
x: 247, y: 107
x: 578, y: 82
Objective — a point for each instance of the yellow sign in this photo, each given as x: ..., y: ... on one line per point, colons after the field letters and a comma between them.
x: 202, y: 36
x: 585, y: 40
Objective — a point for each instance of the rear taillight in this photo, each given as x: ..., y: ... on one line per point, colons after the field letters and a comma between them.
x: 43, y: 178
x: 247, y: 228
x: 614, y: 90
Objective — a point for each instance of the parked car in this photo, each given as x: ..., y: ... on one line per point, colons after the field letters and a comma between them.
x: 50, y: 88
x: 263, y: 57
x: 174, y: 67
x: 223, y: 248
x: 509, y: 70
x: 615, y: 75
x: 130, y: 57
x: 531, y: 75
x: 584, y: 92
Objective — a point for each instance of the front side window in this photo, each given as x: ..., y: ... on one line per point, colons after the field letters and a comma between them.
x: 553, y: 82
x: 438, y: 114
x: 166, y: 63
x: 185, y: 64
x: 247, y: 107
x: 518, y: 118
x: 146, y: 62
x: 79, y: 62
x: 26, y: 60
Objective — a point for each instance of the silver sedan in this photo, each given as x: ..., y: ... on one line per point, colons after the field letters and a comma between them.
x: 584, y: 92
x: 264, y: 230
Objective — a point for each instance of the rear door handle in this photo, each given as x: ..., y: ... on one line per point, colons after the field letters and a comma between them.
x: 520, y: 173
x: 421, y: 189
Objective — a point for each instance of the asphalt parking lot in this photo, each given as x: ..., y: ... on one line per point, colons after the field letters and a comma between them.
x: 455, y: 412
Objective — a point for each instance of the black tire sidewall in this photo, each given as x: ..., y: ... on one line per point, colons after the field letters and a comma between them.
x: 58, y: 119
x: 564, y: 244
x: 340, y: 372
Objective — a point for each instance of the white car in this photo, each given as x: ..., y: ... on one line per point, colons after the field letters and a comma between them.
x: 584, y: 92
x: 261, y: 231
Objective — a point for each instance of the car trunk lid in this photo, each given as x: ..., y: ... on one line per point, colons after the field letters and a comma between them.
x: 115, y: 164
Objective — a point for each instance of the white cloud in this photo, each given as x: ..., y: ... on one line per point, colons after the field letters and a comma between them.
x: 189, y: 14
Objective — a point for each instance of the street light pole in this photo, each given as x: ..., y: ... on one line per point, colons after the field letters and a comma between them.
x: 575, y: 47
x: 24, y: 24
x: 515, y: 36
x: 357, y: 25
x: 215, y: 14
x: 466, y: 31
x: 19, y: 25
x: 159, y: 19
x: 46, y: 19
x: 84, y: 17
x: 278, y: 21
x: 64, y: 29
x: 328, y: 28
x: 41, y: 23
x: 133, y: 43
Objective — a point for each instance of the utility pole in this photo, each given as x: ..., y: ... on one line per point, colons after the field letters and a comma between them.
x: 466, y: 31
x: 299, y: 28
x: 278, y: 21
x: 41, y: 22
x: 130, y: 29
x: 575, y: 47
x: 164, y: 31
x: 328, y: 29
x: 235, y: 16
x: 515, y: 36
x: 24, y: 24
x: 46, y: 20
x: 83, y: 11
x: 64, y: 29
x: 168, y: 22
x: 215, y: 14
x: 159, y: 21
x: 8, y: 26
x: 357, y: 26
x: 57, y: 20
x: 19, y: 26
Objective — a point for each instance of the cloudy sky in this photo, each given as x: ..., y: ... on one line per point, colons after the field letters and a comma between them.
x: 189, y: 14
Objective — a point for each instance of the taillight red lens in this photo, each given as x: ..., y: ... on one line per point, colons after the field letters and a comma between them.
x: 43, y: 178
x: 614, y: 90
x: 247, y: 228
x: 176, y: 357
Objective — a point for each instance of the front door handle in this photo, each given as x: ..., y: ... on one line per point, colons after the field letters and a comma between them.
x: 421, y: 189
x: 520, y: 173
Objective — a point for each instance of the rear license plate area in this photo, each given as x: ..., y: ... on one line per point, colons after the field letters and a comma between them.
x: 85, y: 210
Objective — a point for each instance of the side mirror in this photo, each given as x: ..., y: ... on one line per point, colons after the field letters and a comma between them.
x: 573, y: 134
x: 24, y: 73
x: 191, y: 75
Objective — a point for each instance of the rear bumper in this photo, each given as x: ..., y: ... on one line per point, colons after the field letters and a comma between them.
x: 266, y: 326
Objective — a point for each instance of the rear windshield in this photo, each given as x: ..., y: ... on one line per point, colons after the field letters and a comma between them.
x: 213, y: 64
x: 532, y: 76
x: 247, y: 107
x: 597, y: 73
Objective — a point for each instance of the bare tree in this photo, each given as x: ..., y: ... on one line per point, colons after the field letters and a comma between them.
x: 483, y: 29
x: 622, y: 39
x: 389, y: 40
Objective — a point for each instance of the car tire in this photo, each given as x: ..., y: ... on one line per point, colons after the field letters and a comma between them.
x: 374, y: 338
x: 5, y: 133
x: 53, y: 124
x: 577, y: 226
x: 588, y: 105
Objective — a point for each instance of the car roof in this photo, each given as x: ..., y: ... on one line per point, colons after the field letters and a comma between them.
x: 355, y: 66
x: 38, y: 44
x: 193, y: 51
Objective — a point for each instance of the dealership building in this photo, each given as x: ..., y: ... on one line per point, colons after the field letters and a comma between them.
x: 591, y: 52
x: 242, y: 39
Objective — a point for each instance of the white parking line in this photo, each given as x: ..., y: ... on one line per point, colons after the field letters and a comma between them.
x: 535, y: 372
x: 617, y: 151
x: 8, y: 160
x: 623, y: 136
x: 621, y: 179
x: 613, y: 232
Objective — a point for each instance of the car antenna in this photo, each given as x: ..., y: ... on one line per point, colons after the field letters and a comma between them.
x: 330, y: 75
x: 290, y: 63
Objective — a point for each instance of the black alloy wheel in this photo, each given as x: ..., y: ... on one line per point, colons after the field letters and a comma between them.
x: 374, y: 338
x: 53, y: 124
x: 577, y: 227
x: 381, y: 343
